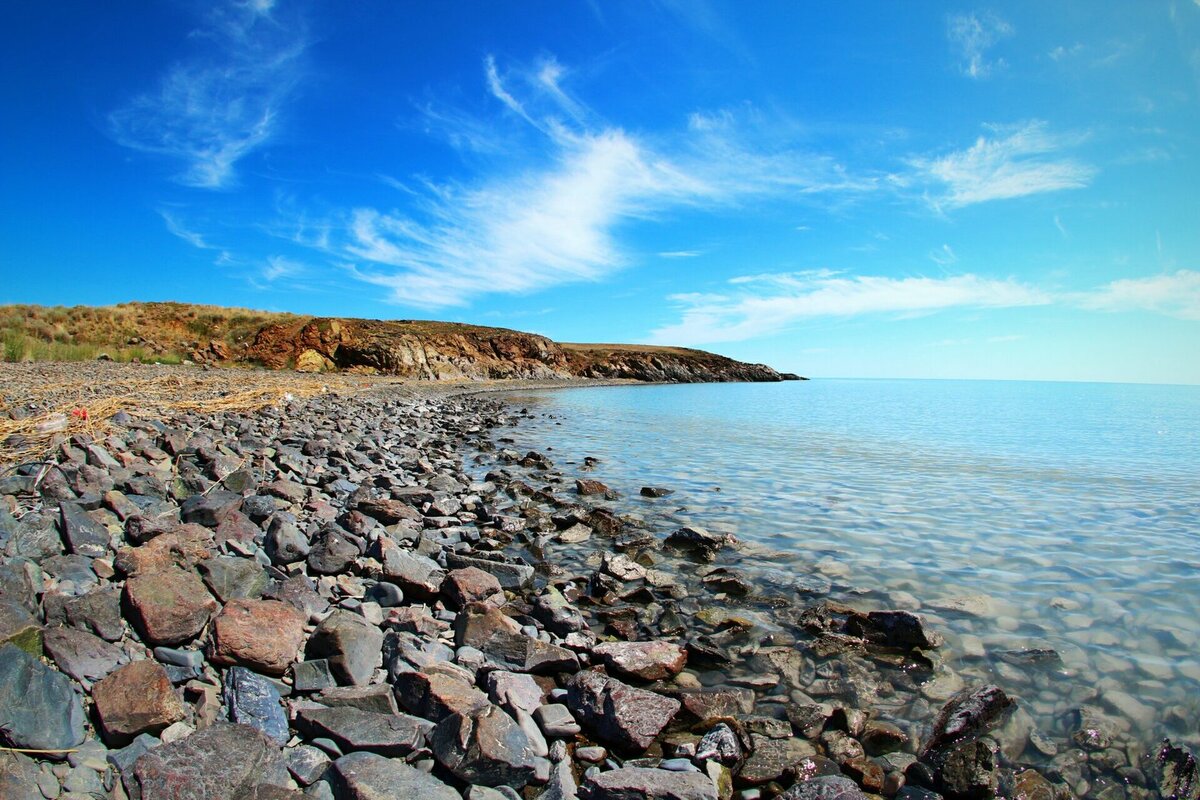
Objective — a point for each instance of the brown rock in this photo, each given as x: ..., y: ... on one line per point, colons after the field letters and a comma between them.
x: 263, y: 635
x: 169, y: 607
x: 472, y: 585
x: 137, y: 698
x: 436, y: 695
x: 185, y: 546
x: 618, y: 715
x: 586, y: 486
x: 647, y: 661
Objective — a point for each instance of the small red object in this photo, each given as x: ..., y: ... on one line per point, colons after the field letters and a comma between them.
x: 79, y: 413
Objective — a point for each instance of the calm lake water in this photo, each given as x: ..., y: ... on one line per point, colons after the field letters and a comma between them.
x: 1011, y: 514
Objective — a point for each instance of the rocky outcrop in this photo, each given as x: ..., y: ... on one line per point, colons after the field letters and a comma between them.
x: 439, y: 351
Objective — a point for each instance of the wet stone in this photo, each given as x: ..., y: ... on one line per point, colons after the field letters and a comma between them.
x: 647, y: 661
x: 253, y: 700
x: 968, y: 715
x: 618, y: 714
x: 773, y: 759
x: 824, y: 787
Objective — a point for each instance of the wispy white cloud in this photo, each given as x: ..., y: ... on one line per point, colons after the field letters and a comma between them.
x: 680, y: 254
x: 774, y: 302
x: 1017, y: 160
x: 280, y: 267
x: 1063, y: 52
x: 177, y: 228
x: 1062, y: 229
x: 550, y: 214
x: 1174, y: 294
x: 213, y: 109
x: 944, y: 256
x: 971, y: 36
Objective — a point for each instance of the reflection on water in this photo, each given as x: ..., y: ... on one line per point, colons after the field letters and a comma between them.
x: 1012, y: 515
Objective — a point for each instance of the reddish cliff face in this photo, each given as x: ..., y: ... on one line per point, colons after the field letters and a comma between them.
x: 450, y: 351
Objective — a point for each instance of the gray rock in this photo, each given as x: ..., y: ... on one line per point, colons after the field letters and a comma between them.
x: 419, y: 576
x: 514, y: 577
x: 387, y: 595
x: 98, y: 611
x: 38, y: 707
x: 561, y: 785
x: 189, y: 659
x: 83, y: 656
x: 622, y: 716
x: 221, y: 762
x: 331, y: 554
x: 640, y: 783
x: 123, y: 759
x: 285, y: 543
x: 366, y: 776
x: 19, y: 627
x: 355, y: 729
x: 824, y: 787
x: 312, y: 676
x: 556, y: 721
x: 378, y: 698
x: 699, y: 542
x: 485, y: 747
x: 500, y: 639
x: 306, y: 763
x: 82, y: 534
x: 209, y: 509
x: 352, y: 645
x: 74, y: 573
x: 514, y: 691
x: 253, y: 700
x: 230, y: 578
x: 21, y: 583
x: 19, y: 777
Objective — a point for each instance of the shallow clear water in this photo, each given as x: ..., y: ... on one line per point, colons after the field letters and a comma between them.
x: 1068, y: 513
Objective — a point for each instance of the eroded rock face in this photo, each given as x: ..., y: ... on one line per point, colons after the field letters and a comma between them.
x: 620, y: 715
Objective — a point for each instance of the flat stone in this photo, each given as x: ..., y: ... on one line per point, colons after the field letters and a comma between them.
x: 18, y: 626
x: 500, y: 639
x: 355, y: 729
x: 312, y: 676
x: 647, y: 661
x: 99, y: 612
x: 514, y: 577
x: 19, y: 777
x: 233, y: 578
x: 82, y: 535
x: 627, y: 718
x: 388, y: 511
x: 436, y: 695
x: 472, y: 585
x: 82, y: 655
x: 261, y: 634
x: 253, y: 700
x: 209, y: 509
x: 38, y: 708
x: 417, y: 575
x: 169, y: 607
x: 137, y: 698
x: 306, y: 763
x: 486, y: 747
x: 222, y: 762
x: 378, y: 698
x: 366, y: 776
x: 556, y: 721
x: 641, y: 783
x: 298, y: 591
x: 773, y: 759
x: 352, y: 645
x: 824, y: 787
x: 184, y: 547
x: 515, y: 691
x: 705, y: 705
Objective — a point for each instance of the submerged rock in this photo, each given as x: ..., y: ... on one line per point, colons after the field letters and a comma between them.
x: 968, y: 715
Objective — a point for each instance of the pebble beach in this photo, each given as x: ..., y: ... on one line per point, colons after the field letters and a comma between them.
x: 225, y: 584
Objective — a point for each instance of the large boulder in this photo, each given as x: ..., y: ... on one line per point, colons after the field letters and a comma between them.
x: 169, y: 607
x: 137, y: 698
x: 353, y: 646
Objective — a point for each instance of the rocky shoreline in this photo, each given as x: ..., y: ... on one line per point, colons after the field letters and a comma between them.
x: 363, y: 594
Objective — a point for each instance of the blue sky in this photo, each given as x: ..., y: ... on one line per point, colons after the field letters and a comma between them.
x: 842, y: 189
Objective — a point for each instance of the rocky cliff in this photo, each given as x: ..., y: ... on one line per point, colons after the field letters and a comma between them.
x: 452, y: 351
